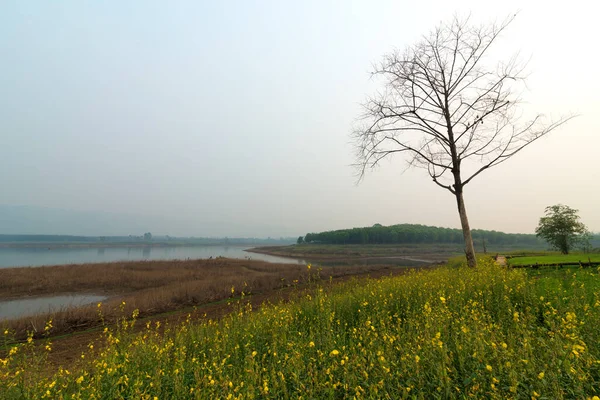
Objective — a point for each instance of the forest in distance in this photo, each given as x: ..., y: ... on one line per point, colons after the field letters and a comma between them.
x: 376, y: 234
x: 416, y: 233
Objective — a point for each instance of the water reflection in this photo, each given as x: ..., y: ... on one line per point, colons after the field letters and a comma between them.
x: 38, y: 256
x: 24, y: 307
x: 12, y: 257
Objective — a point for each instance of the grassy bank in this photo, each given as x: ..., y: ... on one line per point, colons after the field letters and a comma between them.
x: 554, y: 258
x: 151, y: 287
x: 448, y: 332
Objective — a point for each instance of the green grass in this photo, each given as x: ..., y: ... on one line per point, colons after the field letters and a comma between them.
x: 553, y: 259
x: 489, y: 332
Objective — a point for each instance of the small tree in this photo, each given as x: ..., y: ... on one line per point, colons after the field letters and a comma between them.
x: 452, y: 114
x: 561, y: 228
x: 300, y: 240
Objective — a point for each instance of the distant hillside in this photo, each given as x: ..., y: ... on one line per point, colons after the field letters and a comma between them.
x: 411, y: 233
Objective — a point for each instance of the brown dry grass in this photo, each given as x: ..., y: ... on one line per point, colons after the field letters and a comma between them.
x: 152, y: 287
x: 356, y: 252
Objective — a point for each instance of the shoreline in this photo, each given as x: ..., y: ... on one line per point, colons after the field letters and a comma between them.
x: 416, y: 256
x: 151, y: 287
x: 359, y: 259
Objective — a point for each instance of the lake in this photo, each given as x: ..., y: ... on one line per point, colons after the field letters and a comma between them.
x: 38, y: 256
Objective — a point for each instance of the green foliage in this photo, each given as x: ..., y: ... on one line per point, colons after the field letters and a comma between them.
x: 486, y: 333
x: 562, y: 229
x: 554, y: 259
x: 410, y: 233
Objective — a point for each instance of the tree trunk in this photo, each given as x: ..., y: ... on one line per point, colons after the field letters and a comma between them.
x: 464, y: 222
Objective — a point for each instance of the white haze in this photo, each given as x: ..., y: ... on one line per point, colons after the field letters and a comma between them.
x: 233, y: 118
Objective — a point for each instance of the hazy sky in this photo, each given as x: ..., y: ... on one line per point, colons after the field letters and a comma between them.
x: 233, y: 117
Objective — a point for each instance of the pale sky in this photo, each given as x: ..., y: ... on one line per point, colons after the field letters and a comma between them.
x: 233, y: 117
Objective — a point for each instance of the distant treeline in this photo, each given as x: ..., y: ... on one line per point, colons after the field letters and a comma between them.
x: 146, y: 238
x: 47, y: 238
x: 410, y: 233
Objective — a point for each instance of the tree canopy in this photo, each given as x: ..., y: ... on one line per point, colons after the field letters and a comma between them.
x: 562, y: 228
x: 415, y: 234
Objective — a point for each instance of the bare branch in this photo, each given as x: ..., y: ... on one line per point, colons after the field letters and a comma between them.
x: 443, y: 105
x: 508, y: 151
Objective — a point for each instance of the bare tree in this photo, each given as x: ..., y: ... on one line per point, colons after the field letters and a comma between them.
x: 453, y: 115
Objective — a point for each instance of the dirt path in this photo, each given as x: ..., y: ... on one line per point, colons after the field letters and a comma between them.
x: 67, y: 350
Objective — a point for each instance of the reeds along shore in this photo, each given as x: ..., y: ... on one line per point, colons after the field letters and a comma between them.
x: 151, y: 287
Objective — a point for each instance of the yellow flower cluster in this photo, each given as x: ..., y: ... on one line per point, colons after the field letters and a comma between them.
x: 451, y: 332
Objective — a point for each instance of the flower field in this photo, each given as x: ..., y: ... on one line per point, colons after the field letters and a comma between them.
x: 445, y: 333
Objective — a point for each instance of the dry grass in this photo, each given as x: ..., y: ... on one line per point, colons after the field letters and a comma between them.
x: 432, y: 252
x: 152, y: 287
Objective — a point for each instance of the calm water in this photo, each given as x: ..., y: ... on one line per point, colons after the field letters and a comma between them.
x: 35, y: 257
x: 37, y: 305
